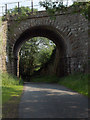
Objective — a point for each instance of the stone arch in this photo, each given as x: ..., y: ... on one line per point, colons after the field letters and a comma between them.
x: 63, y: 31
x: 49, y: 32
x: 73, y: 29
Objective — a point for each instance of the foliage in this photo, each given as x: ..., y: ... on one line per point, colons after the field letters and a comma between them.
x: 47, y: 79
x: 11, y: 86
x: 8, y: 79
x: 20, y: 13
x: 77, y: 7
x: 21, y: 10
x: 44, y: 56
x: 45, y: 51
x: 53, y: 7
x: 77, y: 82
x: 27, y: 56
x: 33, y: 54
x: 81, y: 7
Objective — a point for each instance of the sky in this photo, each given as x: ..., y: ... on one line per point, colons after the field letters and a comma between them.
x: 24, y: 3
x: 35, y: 1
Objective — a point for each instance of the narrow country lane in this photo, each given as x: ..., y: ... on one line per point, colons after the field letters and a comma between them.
x: 43, y: 100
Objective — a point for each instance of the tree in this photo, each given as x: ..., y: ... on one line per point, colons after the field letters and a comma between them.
x: 33, y: 54
x: 27, y: 56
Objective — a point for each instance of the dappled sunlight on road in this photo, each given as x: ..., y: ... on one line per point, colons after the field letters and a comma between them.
x: 42, y: 100
x: 51, y: 91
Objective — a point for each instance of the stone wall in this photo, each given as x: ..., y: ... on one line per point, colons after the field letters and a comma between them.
x: 72, y: 28
x: 3, y: 45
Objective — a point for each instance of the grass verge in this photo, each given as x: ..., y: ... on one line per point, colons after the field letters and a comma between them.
x: 12, y: 88
x: 77, y: 82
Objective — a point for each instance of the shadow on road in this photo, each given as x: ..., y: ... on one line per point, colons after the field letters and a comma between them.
x: 43, y: 100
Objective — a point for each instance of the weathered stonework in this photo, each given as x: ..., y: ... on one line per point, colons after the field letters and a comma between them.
x: 3, y: 44
x: 68, y: 31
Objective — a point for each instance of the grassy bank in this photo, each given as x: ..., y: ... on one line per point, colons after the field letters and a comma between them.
x: 11, y: 93
x: 10, y: 87
x: 77, y: 82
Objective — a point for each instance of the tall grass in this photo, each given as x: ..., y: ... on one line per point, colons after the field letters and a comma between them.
x: 77, y: 82
x: 8, y: 80
x: 11, y: 86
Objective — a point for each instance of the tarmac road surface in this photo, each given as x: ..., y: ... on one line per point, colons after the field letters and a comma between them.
x: 44, y: 100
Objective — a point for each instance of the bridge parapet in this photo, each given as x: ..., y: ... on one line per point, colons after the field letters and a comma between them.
x: 34, y: 14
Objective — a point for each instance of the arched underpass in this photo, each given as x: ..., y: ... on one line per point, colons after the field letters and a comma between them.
x: 65, y: 32
x: 50, y: 33
x: 68, y: 35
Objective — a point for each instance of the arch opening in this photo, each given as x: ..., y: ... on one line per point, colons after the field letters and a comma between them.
x: 48, y: 32
x: 34, y: 55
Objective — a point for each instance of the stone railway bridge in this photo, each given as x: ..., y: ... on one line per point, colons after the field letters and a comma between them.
x: 69, y: 32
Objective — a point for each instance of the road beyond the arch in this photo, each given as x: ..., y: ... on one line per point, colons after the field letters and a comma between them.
x: 43, y: 100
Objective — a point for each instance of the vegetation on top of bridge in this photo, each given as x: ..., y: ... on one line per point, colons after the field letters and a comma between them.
x: 23, y: 13
x: 76, y: 7
x: 52, y: 8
